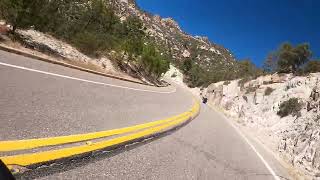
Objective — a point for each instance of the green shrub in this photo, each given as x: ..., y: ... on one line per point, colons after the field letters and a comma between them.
x: 226, y: 83
x: 251, y: 89
x: 89, y: 43
x: 268, y: 91
x: 90, y: 26
x: 153, y: 62
x: 174, y: 75
x: 245, y: 98
x: 197, y: 77
x: 267, y: 82
x: 247, y: 69
x: 291, y: 58
x: 20, y: 13
x: 290, y: 107
x: 187, y: 65
x: 288, y: 58
x: 312, y: 67
x: 243, y: 81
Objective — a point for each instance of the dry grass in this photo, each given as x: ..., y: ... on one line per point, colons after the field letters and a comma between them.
x: 86, y: 65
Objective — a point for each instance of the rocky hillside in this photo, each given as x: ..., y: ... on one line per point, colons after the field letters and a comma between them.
x: 167, y: 33
x: 283, y: 111
x: 140, y: 40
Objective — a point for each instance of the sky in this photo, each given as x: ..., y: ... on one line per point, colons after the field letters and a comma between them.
x: 249, y: 28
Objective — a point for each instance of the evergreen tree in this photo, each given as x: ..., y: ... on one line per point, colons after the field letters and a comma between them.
x: 291, y: 58
x: 20, y: 13
x: 312, y: 66
x: 270, y: 64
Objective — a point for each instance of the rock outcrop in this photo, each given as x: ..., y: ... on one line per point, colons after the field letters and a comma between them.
x: 295, y: 138
x: 46, y: 43
x: 61, y: 50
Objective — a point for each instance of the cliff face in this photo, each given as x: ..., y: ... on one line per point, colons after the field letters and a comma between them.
x: 295, y: 137
x: 168, y: 34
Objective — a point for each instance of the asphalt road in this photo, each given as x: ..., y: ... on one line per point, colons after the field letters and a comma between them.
x: 38, y: 104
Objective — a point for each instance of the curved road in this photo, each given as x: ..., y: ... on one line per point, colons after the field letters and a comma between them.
x: 39, y: 99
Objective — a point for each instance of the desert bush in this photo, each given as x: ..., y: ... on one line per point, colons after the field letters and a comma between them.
x: 197, y: 77
x: 251, y: 89
x: 245, y: 98
x: 267, y: 82
x: 242, y: 81
x: 174, y: 75
x: 268, y: 91
x: 89, y: 43
x: 288, y: 58
x: 247, y: 69
x: 226, y: 83
x: 152, y: 62
x: 292, y: 58
x: 312, y: 67
x: 90, y: 26
x: 290, y: 107
x: 186, y: 66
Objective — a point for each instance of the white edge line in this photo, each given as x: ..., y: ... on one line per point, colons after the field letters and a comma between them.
x: 83, y: 80
x: 275, y: 176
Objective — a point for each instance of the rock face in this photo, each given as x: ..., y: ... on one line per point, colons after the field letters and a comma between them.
x: 46, y: 43
x: 174, y: 75
x: 168, y: 34
x: 52, y: 46
x: 296, y: 139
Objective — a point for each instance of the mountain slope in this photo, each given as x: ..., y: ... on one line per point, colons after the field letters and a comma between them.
x: 128, y: 35
x: 167, y: 33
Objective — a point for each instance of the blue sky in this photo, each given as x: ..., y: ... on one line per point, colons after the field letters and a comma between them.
x: 249, y: 28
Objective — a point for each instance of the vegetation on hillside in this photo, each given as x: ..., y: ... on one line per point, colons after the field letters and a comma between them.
x: 268, y: 91
x: 91, y: 26
x: 196, y: 76
x: 291, y: 59
x: 290, y: 107
x: 312, y: 66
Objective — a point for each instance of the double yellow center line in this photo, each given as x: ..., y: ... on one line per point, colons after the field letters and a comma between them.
x: 137, y: 131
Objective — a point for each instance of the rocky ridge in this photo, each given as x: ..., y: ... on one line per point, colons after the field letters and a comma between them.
x: 295, y: 138
x: 168, y: 34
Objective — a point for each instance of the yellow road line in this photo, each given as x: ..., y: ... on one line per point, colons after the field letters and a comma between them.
x: 34, y: 158
x: 14, y: 145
